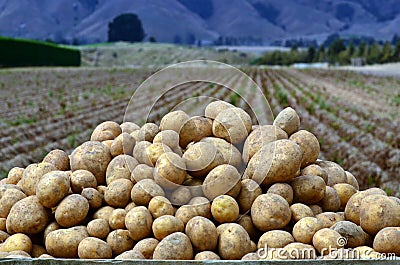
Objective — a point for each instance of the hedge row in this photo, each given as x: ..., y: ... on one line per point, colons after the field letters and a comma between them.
x: 20, y: 52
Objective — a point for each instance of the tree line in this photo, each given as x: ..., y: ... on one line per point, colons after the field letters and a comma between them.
x: 336, y: 53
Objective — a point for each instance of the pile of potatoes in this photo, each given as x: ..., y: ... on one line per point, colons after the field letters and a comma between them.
x: 204, y: 187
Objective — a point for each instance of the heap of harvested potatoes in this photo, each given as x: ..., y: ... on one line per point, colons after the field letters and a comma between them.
x: 204, y: 187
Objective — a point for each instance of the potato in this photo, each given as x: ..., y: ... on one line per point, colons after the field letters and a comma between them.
x: 201, y: 158
x: 270, y: 211
x: 130, y: 255
x: 139, y: 152
x: 52, y: 188
x: 153, y: 152
x: 308, y: 189
x: 326, y: 239
x: 287, y: 120
x: 298, y: 250
x: 53, y: 226
x: 173, y: 121
x: 352, y: 180
x: 159, y: 206
x: 275, y: 239
x: 305, y: 228
x: 181, y: 196
x: 328, y: 219
x: 103, y: 213
x: 92, y: 156
x: 316, y: 209
x: 198, y: 206
x: 176, y: 246
x: 331, y: 200
x: 202, y: 233
x: 223, y: 179
x: 27, y: 216
x: 130, y: 206
x: 108, y: 143
x: 166, y: 225
x: 142, y: 171
x: 15, y: 175
x: 120, y: 241
x: 32, y: 175
x: 300, y: 211
x: 214, y: 108
x: 386, y: 240
x: 246, y: 222
x: 309, y: 146
x: 195, y: 129
x: 169, y: 138
x: 99, y: 228
x: 143, y: 191
x: 249, y: 192
x: 354, y: 235
x: 118, y: 193
x: 8, y: 198
x: 275, y: 162
x: 195, y: 186
x: 146, y: 247
x: 3, y: 224
x: 17, y: 242
x: 232, y: 124
x: 138, y: 221
x: 37, y: 251
x: 123, y: 144
x: 377, y: 212
x: 315, y: 170
x: 129, y: 127
x: 336, y: 173
x: 107, y: 130
x: 259, y: 137
x: 230, y: 154
x: 282, y: 189
x: 94, y: 197
x: 149, y: 131
x: 234, y: 242
x: 72, y: 210
x: 170, y: 171
x: 225, y: 209
x: 81, y: 179
x: 58, y: 158
x: 94, y: 248
x: 251, y: 256
x: 121, y: 167
x: 352, y: 209
x: 63, y: 243
x: 101, y: 189
x: 117, y: 219
x: 206, y: 255
x: 344, y: 191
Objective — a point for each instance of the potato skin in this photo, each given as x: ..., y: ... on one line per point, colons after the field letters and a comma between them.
x: 314, y: 170
x: 331, y: 200
x: 214, y: 108
x: 344, y: 191
x: 174, y: 121
x: 107, y: 130
x: 130, y: 255
x: 159, y: 206
x: 94, y: 197
x: 176, y: 246
x: 288, y: 120
x: 309, y: 146
x: 206, y: 255
x: 248, y: 193
x: 94, y: 248
x: 195, y: 129
x: 198, y: 206
x: 282, y: 189
x: 98, y: 228
x: 230, y: 154
x: 385, y: 238
x: 353, y: 233
x: 123, y: 144
x: 225, y: 209
x: 270, y: 211
x: 63, y: 243
x: 67, y: 214
x: 120, y: 167
x: 118, y: 193
x: 120, y: 241
x: 146, y: 247
x: 300, y: 211
x: 117, y: 219
x: 139, y: 222
x: 336, y: 173
x: 202, y: 233
x: 170, y: 171
x: 326, y: 238
x: 166, y: 225
x: 92, y: 156
x: 52, y: 188
x: 275, y: 162
x: 275, y: 239
x: 305, y: 228
x: 32, y: 175
x: 129, y: 127
x: 27, y: 216
x: 58, y: 158
x: 17, y: 242
x: 143, y: 191
x: 7, y: 199
x: 142, y: 171
x: 308, y: 189
x: 234, y: 242
x: 223, y: 179
x: 15, y: 175
x: 3, y: 225
x: 328, y: 219
x: 377, y: 212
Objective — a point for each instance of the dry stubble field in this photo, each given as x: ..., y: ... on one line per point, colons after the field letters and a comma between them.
x: 355, y: 116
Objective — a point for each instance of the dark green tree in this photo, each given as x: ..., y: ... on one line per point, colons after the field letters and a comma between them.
x: 374, y: 54
x: 396, y: 52
x: 335, y: 49
x: 386, y: 54
x: 361, y: 49
x: 126, y: 27
x: 311, y: 54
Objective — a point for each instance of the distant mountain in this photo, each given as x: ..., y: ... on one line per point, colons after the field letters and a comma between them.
x: 86, y: 21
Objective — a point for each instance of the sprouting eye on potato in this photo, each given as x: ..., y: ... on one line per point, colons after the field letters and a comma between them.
x: 205, y: 187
